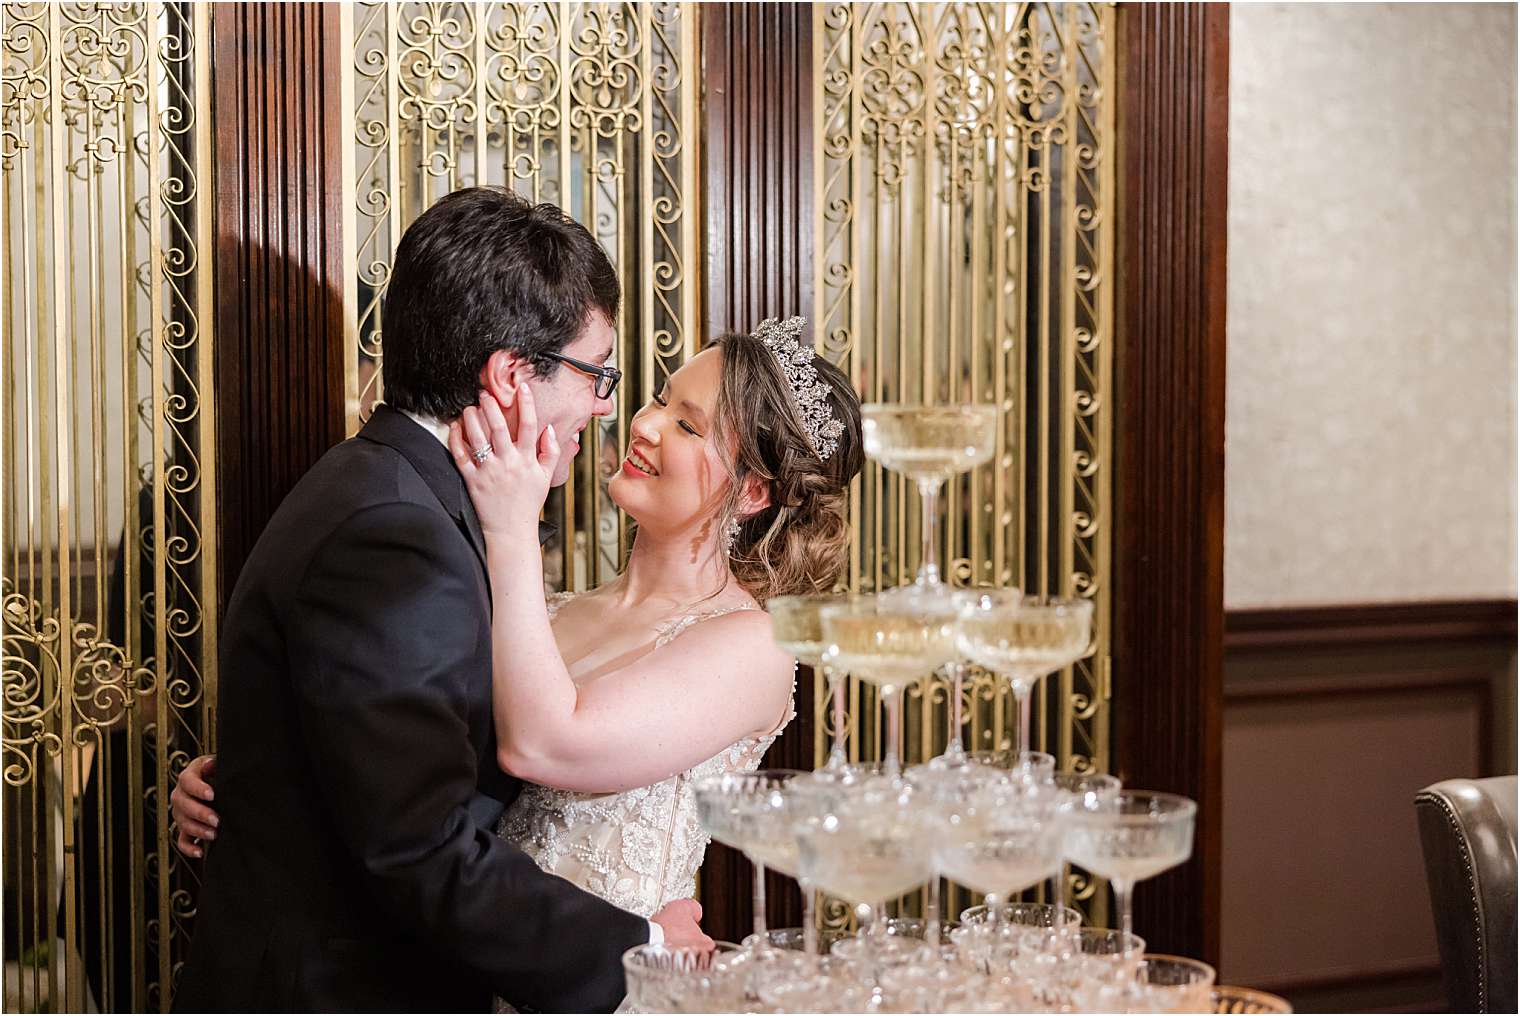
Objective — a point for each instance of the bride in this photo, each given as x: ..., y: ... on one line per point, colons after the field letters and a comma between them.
x: 613, y: 702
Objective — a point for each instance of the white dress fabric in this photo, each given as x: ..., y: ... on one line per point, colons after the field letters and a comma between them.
x: 638, y: 849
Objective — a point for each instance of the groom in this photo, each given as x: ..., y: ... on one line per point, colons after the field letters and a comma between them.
x: 355, y: 867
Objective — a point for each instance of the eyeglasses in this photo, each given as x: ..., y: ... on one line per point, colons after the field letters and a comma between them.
x: 607, y: 378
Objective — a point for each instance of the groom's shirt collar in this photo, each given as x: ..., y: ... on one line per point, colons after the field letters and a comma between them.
x: 440, y: 430
x: 432, y: 425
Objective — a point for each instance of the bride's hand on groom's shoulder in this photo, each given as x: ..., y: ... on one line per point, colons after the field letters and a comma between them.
x: 507, y: 474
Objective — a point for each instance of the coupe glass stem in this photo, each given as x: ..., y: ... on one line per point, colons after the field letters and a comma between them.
x: 1124, y: 896
x: 928, y: 566
x: 891, y: 700
x: 809, y: 919
x: 994, y: 903
x: 838, y: 754
x: 1021, y: 743
x: 760, y: 930
x: 955, y: 752
x: 931, y: 915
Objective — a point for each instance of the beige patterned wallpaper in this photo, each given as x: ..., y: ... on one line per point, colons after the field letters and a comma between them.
x: 1370, y: 406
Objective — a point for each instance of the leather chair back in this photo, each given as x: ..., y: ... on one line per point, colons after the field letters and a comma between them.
x: 1467, y: 829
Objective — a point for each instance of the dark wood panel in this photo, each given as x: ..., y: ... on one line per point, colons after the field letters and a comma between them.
x: 1334, y: 717
x: 757, y: 157
x: 757, y: 197
x: 1169, y: 362
x: 279, y: 317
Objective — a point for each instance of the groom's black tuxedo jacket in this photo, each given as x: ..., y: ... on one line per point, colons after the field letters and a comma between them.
x: 356, y: 768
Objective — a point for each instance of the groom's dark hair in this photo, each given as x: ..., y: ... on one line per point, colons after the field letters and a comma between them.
x: 479, y: 271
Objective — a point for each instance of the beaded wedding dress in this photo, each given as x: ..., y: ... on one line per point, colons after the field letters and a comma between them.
x: 638, y: 849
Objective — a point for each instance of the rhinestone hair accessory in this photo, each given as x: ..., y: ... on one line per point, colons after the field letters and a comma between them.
x: 809, y: 392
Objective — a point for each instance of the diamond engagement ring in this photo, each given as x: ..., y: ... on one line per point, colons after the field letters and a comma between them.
x: 482, y: 453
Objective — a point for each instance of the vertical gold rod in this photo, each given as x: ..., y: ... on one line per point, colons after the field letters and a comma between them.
x: 30, y: 201
x: 73, y: 989
x: 1068, y: 296
x: 570, y: 579
x: 929, y: 40
x: 1001, y: 493
x: 160, y: 526
x: 566, y: 17
x: 646, y: 209
x: 929, y: 33
x: 8, y: 469
x: 980, y: 341
x: 96, y: 406
x: 348, y: 219
x: 851, y: 174
x: 819, y: 57
x: 95, y: 756
x: 206, y: 373
x: 394, y: 177
x: 482, y: 15
x: 691, y: 155
x: 131, y: 556
x: 1106, y: 176
x: 1020, y: 214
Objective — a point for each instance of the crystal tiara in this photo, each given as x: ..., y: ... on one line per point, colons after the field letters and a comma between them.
x: 809, y: 392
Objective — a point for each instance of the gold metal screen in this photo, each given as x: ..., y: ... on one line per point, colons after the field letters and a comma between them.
x: 964, y: 229
x: 592, y: 106
x: 108, y: 564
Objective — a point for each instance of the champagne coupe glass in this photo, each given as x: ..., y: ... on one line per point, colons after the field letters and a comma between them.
x: 748, y: 811
x: 1129, y: 837
x: 661, y: 978
x: 947, y: 790
x: 1175, y: 984
x: 999, y: 839
x: 1089, y: 959
x: 873, y: 845
x: 889, y: 643
x: 984, y: 931
x: 929, y: 444
x: 1022, y: 639
x: 1081, y: 790
x: 798, y: 629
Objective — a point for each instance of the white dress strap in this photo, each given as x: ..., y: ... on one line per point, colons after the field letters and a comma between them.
x: 669, y: 629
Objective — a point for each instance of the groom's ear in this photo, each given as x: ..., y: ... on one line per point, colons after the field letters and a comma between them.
x: 503, y: 372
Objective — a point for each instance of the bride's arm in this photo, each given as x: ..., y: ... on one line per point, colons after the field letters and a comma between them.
x: 679, y: 705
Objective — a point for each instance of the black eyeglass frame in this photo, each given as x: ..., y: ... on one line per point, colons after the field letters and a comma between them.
x: 607, y: 377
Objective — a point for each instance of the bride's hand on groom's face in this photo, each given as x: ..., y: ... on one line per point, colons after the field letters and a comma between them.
x: 507, y: 467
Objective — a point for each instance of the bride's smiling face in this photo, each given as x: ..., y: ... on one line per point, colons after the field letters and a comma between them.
x: 672, y: 476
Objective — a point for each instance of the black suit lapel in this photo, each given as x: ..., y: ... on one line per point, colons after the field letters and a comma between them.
x: 433, y: 463
x: 436, y: 467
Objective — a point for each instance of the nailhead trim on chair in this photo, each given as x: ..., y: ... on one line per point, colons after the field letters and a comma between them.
x: 1472, y: 889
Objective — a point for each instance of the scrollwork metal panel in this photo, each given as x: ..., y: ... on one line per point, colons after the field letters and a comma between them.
x: 964, y: 230
x: 592, y: 106
x: 109, y: 559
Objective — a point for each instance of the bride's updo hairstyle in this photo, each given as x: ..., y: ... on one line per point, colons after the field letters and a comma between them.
x: 799, y: 543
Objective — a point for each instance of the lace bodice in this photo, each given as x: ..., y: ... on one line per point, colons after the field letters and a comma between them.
x: 638, y: 849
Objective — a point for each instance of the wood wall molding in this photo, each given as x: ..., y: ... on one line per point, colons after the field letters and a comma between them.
x: 1364, y: 624
x: 1169, y: 371
x: 757, y: 194
x: 279, y: 316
